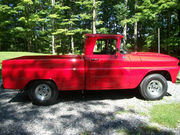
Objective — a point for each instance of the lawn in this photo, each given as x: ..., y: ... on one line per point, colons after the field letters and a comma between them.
x: 9, y: 55
x: 166, y: 114
x: 178, y: 75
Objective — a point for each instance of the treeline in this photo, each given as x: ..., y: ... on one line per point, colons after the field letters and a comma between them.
x: 59, y: 25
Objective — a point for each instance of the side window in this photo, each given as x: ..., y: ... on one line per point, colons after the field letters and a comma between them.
x: 105, y: 46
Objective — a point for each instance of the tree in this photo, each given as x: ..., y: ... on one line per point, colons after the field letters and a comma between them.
x: 45, y: 25
x: 53, y: 20
x: 125, y: 25
x: 121, y: 15
x: 135, y: 28
x: 94, y: 17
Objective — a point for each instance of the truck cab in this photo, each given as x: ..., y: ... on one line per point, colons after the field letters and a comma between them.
x: 106, y: 67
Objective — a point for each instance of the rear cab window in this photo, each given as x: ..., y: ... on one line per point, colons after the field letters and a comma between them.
x: 105, y: 46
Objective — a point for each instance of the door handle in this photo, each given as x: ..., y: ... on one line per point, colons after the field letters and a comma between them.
x: 94, y: 59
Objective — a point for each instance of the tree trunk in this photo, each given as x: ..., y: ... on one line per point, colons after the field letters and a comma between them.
x: 125, y: 33
x: 159, y: 45
x: 125, y: 25
x: 168, y: 28
x: 43, y: 27
x: 135, y: 36
x: 94, y: 16
x: 29, y: 45
x: 135, y: 30
x: 36, y: 46
x: 53, y: 48
x: 72, y: 44
x: 168, y: 23
x: 53, y: 38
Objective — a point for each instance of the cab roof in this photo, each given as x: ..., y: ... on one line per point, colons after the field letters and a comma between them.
x: 104, y: 35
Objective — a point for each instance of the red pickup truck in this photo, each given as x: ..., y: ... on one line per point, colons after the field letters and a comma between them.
x: 104, y: 66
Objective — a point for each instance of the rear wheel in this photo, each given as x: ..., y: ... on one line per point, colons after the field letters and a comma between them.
x: 153, y: 87
x: 43, y: 92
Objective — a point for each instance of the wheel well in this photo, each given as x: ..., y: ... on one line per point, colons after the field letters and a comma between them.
x: 163, y: 73
x: 32, y: 81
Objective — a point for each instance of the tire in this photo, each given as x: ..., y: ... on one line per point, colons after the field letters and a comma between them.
x: 153, y: 87
x: 43, y: 93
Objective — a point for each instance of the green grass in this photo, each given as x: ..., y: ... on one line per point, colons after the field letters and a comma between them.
x: 142, y: 130
x: 9, y: 55
x: 123, y: 131
x: 167, y: 114
x: 123, y: 111
x: 85, y: 133
x: 178, y: 78
x: 143, y: 114
x: 178, y: 75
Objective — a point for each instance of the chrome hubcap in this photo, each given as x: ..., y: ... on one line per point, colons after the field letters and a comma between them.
x: 155, y: 88
x: 43, y: 92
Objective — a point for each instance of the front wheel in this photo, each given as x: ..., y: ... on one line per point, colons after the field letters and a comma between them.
x: 153, y: 87
x: 43, y: 92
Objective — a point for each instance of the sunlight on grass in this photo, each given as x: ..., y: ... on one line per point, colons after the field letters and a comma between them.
x: 123, y: 132
x: 179, y: 75
x: 9, y: 55
x: 178, y: 78
x: 143, y: 114
x: 167, y: 114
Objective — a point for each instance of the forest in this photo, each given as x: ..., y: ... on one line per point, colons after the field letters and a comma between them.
x: 51, y: 26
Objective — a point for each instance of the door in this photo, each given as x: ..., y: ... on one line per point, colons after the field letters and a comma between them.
x: 106, y: 68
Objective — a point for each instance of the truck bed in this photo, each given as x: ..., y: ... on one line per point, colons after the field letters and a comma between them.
x: 67, y: 71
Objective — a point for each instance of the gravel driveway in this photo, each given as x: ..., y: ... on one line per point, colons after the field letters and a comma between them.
x: 95, y: 113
